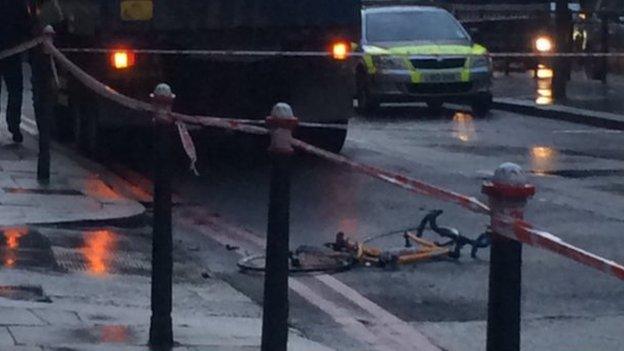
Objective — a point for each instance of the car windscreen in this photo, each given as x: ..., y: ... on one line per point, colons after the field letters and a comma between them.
x: 413, y: 26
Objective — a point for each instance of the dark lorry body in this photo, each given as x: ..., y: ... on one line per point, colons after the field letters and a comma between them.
x: 320, y: 89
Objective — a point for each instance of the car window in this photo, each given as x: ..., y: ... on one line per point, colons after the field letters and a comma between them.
x: 413, y: 26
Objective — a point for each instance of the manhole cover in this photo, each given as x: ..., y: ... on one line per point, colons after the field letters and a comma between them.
x: 23, y: 293
x: 42, y: 191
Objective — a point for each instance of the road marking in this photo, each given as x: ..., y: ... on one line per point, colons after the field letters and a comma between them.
x: 29, y: 126
x: 384, y: 332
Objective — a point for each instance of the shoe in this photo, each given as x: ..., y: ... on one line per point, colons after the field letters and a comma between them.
x: 18, y: 137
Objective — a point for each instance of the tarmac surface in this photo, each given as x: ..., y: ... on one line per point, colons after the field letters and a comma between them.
x: 577, y: 170
x: 85, y: 286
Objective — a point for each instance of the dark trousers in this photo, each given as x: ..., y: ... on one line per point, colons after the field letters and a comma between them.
x: 11, y: 72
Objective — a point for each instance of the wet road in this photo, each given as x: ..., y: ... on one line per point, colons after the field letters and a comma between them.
x: 577, y: 170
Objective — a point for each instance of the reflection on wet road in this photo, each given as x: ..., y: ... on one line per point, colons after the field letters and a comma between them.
x: 114, y: 333
x: 12, y: 236
x: 463, y: 126
x: 98, y: 249
x: 544, y: 93
x: 543, y: 159
x: 25, y: 248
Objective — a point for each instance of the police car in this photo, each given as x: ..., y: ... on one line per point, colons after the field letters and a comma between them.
x: 420, y: 53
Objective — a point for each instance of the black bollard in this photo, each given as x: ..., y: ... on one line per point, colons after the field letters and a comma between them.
x: 43, y: 102
x: 275, y: 307
x: 508, y: 192
x: 562, y: 65
x: 161, y: 332
x: 604, y: 47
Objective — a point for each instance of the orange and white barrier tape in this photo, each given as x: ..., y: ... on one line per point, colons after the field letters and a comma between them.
x: 509, y: 227
x: 523, y: 232
x: 399, y: 180
x: 21, y: 48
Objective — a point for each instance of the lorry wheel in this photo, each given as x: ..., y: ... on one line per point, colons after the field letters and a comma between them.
x: 482, y: 105
x: 334, y: 141
x: 86, y: 111
x: 328, y: 139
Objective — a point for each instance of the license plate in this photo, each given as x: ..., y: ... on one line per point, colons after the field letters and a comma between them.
x: 441, y: 77
x: 137, y: 10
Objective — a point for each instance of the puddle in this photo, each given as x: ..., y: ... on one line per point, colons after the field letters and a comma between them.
x: 617, y: 189
x: 21, y: 247
x: 42, y: 191
x: 583, y: 173
x: 482, y: 150
x: 115, y: 334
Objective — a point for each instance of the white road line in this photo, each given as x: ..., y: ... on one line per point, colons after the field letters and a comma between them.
x: 387, y: 318
x: 29, y: 126
x: 387, y: 332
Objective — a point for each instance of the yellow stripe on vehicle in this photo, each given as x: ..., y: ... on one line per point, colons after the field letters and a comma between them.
x: 465, y: 74
x: 415, y: 76
x: 370, y: 65
x: 478, y: 50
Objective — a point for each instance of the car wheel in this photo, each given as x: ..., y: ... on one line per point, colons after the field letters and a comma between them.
x: 435, y: 106
x: 482, y: 105
x: 366, y: 103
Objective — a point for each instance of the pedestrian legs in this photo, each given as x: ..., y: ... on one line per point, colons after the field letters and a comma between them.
x: 11, y: 70
x: 43, y: 95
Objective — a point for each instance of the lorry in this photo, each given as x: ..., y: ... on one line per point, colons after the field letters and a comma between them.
x: 319, y: 88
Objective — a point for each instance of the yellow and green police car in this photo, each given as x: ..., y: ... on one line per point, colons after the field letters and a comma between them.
x: 420, y: 54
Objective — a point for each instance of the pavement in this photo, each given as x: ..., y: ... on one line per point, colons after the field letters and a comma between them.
x: 75, y: 264
x: 588, y: 101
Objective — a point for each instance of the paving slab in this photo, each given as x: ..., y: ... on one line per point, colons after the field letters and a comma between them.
x: 74, y: 193
x: 18, y: 316
x: 6, y: 340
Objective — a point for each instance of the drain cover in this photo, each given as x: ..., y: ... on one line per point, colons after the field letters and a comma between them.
x: 23, y: 293
x: 42, y: 191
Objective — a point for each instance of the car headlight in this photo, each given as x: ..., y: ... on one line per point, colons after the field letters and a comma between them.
x: 480, y: 62
x: 389, y: 62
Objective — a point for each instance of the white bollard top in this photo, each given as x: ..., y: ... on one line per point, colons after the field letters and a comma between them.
x: 510, y: 174
x: 282, y: 110
x: 281, y: 124
x: 163, y: 90
x: 49, y: 30
x: 509, y: 181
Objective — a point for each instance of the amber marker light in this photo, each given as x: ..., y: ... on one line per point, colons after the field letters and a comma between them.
x: 340, y: 50
x: 122, y: 59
